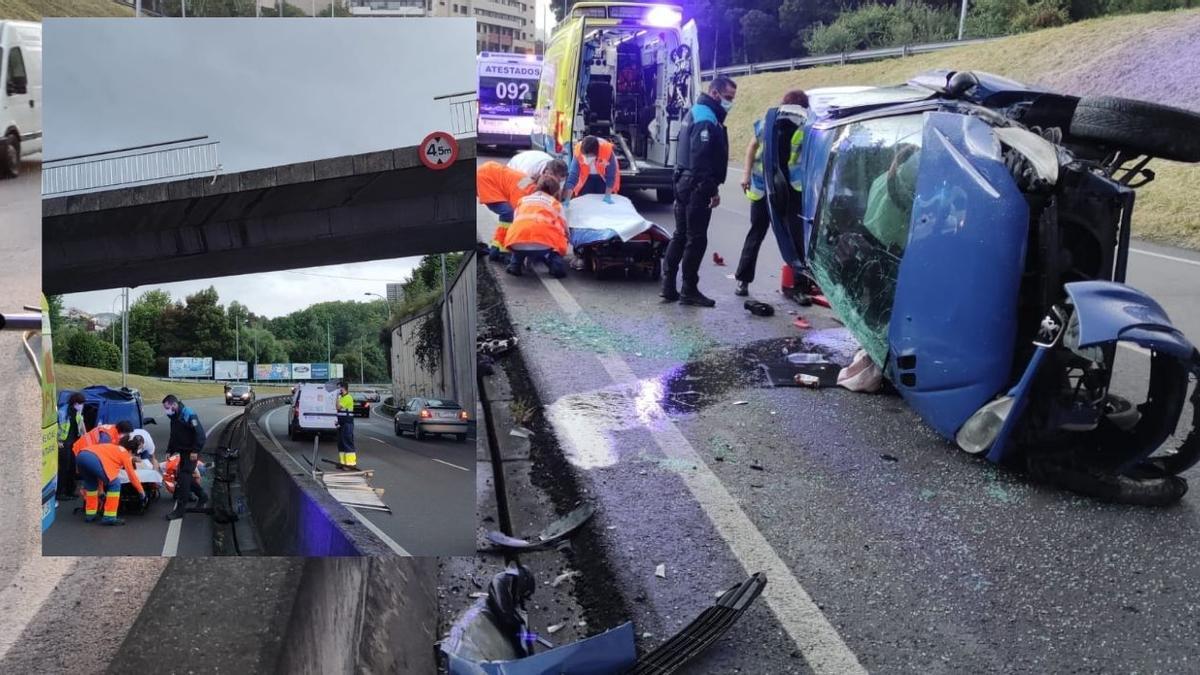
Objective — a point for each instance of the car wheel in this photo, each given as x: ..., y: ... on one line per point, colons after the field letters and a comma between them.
x: 10, y: 157
x: 460, y: 437
x: 417, y: 433
x: 664, y: 195
x: 1147, y: 128
x: 292, y: 432
x: 396, y: 426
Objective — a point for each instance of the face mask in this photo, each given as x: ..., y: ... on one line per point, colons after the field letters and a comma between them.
x: 170, y: 411
x: 727, y: 105
x: 78, y: 407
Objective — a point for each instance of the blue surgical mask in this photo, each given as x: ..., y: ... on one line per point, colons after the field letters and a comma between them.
x: 727, y: 105
x: 78, y: 407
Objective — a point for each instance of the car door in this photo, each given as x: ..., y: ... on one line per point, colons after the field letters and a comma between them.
x: 403, y: 418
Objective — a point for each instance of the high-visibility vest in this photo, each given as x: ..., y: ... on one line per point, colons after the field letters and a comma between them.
x: 603, y: 157
x: 114, y: 458
x: 758, y: 181
x: 64, y: 424
x: 495, y: 182
x: 539, y: 221
x: 103, y: 433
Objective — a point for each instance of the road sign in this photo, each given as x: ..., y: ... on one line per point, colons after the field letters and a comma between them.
x: 439, y: 150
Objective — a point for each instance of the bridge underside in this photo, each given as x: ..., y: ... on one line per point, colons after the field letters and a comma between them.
x: 356, y: 208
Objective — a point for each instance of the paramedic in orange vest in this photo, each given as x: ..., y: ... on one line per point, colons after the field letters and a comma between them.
x: 539, y: 230
x: 102, y: 433
x: 594, y: 170
x: 99, y: 465
x: 500, y: 188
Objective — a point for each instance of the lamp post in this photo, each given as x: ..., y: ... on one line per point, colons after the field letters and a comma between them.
x: 389, y: 302
x: 125, y: 338
x: 962, y: 19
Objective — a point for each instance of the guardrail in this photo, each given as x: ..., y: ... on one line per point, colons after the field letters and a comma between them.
x: 463, y: 112
x: 838, y: 59
x: 130, y: 166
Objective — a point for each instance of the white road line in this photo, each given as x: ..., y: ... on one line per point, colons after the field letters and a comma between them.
x: 1185, y: 261
x: 29, y: 589
x: 819, y: 642
x: 379, y: 533
x: 449, y: 464
x: 171, y: 545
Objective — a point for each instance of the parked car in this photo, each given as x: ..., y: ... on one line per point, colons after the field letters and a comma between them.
x: 239, y: 394
x: 20, y: 94
x: 973, y: 234
x: 422, y: 416
x: 313, y: 411
x: 362, y: 403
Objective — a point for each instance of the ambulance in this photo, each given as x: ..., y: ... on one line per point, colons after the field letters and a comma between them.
x: 626, y: 72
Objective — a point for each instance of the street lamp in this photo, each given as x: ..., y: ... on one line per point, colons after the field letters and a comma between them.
x: 389, y: 302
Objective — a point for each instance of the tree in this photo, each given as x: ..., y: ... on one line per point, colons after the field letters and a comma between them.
x: 86, y: 349
x: 761, y: 35
x: 145, y: 315
x: 342, y: 10
x: 141, y: 358
x: 55, y: 304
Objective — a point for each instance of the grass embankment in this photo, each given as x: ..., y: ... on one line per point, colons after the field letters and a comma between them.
x: 34, y: 10
x: 1155, y: 57
x: 153, y: 390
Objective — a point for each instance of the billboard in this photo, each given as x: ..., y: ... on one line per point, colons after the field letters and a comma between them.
x: 230, y: 370
x: 301, y: 371
x: 189, y: 366
x: 336, y: 371
x: 272, y: 371
x: 320, y: 371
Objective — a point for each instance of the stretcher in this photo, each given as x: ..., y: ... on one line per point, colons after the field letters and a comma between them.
x: 615, y: 236
x: 131, y: 501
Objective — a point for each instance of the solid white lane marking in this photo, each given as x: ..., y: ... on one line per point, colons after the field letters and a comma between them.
x: 24, y: 596
x: 171, y: 545
x: 819, y: 642
x: 449, y: 464
x: 1164, y: 256
x: 379, y: 533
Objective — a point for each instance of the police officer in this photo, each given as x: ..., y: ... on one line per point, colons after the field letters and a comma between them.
x: 70, y: 429
x: 187, y: 439
x: 702, y: 161
x: 347, y: 454
x: 754, y: 184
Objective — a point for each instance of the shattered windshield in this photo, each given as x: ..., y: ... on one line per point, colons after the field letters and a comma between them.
x: 861, y: 225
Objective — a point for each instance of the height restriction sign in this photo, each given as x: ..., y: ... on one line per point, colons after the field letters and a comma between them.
x: 439, y: 150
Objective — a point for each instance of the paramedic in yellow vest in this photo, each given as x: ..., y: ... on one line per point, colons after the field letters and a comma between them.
x: 754, y: 185
x: 499, y: 188
x: 347, y: 454
x: 594, y: 170
x: 70, y: 430
x: 539, y: 230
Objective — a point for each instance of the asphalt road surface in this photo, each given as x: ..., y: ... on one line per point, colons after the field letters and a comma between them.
x: 886, y: 548
x: 429, y: 485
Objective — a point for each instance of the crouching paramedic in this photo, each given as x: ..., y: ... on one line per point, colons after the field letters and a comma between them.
x: 539, y: 230
x: 187, y: 439
x: 594, y: 169
x: 500, y: 188
x: 100, y: 466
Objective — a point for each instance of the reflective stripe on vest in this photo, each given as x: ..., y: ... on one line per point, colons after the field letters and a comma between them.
x: 64, y: 426
x: 758, y: 182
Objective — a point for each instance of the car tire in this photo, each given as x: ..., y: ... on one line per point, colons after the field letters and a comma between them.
x: 292, y: 432
x: 417, y: 433
x: 10, y: 157
x: 664, y: 195
x: 1148, y: 128
x: 396, y: 427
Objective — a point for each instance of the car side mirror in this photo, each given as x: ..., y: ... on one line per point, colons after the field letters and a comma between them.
x: 149, y: 420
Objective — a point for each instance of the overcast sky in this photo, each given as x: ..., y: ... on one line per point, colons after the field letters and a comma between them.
x: 271, y: 294
x: 272, y: 92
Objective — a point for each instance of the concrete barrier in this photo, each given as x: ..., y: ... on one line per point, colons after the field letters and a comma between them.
x: 292, y: 513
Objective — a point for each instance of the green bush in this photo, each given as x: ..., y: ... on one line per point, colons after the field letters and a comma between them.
x: 86, y: 349
x: 141, y: 357
x: 1042, y: 14
x: 874, y: 26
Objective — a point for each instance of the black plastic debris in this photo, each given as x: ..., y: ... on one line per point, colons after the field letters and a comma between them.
x: 702, y: 632
x: 889, y: 458
x: 552, y: 534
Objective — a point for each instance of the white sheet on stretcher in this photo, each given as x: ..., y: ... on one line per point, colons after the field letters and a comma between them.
x: 591, y: 220
x: 145, y: 472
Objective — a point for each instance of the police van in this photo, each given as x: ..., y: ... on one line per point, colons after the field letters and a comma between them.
x: 626, y: 72
x: 20, y: 94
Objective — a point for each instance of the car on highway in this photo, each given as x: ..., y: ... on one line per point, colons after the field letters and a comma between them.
x: 362, y: 403
x: 20, y: 94
x: 239, y: 394
x: 313, y: 411
x: 973, y: 234
x: 431, y: 416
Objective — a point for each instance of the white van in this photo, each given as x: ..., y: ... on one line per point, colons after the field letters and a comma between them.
x: 314, y: 410
x: 20, y: 94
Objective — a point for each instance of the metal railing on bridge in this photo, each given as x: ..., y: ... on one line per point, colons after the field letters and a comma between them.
x: 173, y: 160
x: 837, y: 59
x: 463, y: 112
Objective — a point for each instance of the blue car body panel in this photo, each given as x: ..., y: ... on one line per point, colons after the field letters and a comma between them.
x: 612, y: 651
x: 113, y: 405
x: 1109, y: 312
x: 956, y: 293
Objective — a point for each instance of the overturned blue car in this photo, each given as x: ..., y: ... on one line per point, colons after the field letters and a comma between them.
x: 973, y: 234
